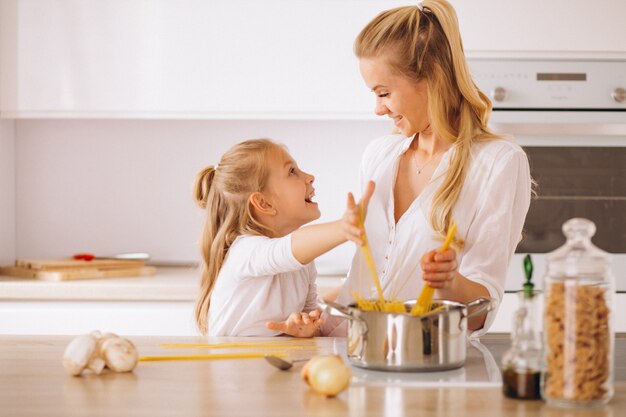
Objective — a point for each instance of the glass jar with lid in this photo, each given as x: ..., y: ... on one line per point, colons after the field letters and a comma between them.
x: 578, y: 330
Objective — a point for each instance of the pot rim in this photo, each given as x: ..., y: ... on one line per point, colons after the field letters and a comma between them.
x: 449, y: 304
x: 479, y: 305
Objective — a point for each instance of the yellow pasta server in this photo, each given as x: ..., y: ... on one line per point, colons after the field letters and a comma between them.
x: 425, y: 299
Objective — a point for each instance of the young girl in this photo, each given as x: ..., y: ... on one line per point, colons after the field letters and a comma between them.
x: 258, y: 260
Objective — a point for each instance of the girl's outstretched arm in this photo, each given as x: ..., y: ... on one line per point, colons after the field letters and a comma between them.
x: 309, y: 242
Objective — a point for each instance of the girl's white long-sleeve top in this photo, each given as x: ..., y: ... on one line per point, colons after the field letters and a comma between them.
x: 489, y: 213
x: 260, y: 281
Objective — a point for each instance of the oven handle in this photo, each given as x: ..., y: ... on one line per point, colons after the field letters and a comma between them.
x: 560, y: 129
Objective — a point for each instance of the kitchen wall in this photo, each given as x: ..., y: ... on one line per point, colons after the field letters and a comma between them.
x: 7, y: 192
x: 108, y: 186
x: 115, y: 184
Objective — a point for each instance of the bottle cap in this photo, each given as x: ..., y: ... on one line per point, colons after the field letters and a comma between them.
x: 528, y: 273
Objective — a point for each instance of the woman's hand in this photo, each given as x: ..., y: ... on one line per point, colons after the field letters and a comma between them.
x: 299, y: 324
x: 350, y: 224
x: 439, y: 268
x: 309, y: 242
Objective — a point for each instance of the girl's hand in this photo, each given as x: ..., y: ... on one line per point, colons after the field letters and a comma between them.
x: 439, y: 268
x: 350, y: 222
x: 298, y: 324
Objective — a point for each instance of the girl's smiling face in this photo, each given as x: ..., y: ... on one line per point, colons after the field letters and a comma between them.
x: 290, y: 192
x: 399, y: 98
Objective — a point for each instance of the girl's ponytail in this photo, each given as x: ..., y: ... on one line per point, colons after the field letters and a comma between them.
x: 202, y: 186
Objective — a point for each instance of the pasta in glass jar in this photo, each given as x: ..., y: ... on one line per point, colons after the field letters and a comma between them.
x: 578, y: 333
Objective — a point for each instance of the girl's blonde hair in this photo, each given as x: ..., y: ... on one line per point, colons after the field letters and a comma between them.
x: 426, y: 45
x: 224, y: 192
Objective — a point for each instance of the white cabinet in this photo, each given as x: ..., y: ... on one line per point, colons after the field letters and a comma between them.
x: 243, y: 58
x: 174, y: 318
x: 163, y: 304
x: 543, y: 28
x: 191, y: 59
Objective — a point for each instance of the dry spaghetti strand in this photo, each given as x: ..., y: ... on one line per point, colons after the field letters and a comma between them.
x: 210, y: 356
x: 369, y: 259
x: 386, y: 306
x: 381, y: 305
x: 250, y: 345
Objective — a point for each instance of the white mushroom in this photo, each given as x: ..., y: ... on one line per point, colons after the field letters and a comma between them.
x: 119, y: 354
x: 94, y: 351
x: 82, y: 353
x: 102, y: 338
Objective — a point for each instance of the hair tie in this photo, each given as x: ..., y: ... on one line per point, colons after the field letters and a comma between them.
x: 420, y: 6
x: 216, y: 167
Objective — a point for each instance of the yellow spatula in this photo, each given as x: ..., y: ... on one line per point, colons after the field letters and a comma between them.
x: 422, y: 305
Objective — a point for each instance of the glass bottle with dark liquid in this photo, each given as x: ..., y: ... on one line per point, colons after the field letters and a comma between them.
x: 521, y: 364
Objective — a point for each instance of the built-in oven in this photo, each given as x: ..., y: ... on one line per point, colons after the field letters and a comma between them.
x: 570, y: 117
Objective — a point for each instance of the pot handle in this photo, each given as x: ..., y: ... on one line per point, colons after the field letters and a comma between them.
x: 479, y: 306
x: 336, y: 309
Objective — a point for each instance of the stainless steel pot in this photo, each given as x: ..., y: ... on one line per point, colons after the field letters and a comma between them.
x: 402, y: 342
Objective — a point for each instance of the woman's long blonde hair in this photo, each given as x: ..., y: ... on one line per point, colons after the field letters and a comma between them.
x: 224, y: 192
x: 426, y: 45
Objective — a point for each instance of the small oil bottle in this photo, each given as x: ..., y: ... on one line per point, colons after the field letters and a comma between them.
x: 521, y: 364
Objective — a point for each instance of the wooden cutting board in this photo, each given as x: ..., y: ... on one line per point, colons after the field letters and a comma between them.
x: 69, y: 264
x: 74, y: 273
x: 72, y: 269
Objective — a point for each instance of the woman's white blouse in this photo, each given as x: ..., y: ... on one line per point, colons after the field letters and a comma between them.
x: 260, y: 281
x: 489, y: 213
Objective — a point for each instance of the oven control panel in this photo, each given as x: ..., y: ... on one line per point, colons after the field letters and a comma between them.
x: 524, y: 84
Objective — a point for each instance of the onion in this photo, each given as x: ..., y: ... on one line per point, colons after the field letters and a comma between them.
x: 327, y: 375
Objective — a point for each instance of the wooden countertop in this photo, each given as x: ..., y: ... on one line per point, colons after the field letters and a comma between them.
x: 34, y: 383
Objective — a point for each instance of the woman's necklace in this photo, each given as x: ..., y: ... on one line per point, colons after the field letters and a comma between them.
x: 419, y: 170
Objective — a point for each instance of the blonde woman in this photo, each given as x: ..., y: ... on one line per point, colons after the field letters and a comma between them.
x: 444, y: 164
x: 259, y: 275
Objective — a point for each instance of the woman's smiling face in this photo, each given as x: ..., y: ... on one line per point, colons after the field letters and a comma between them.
x: 290, y: 191
x: 397, y: 97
